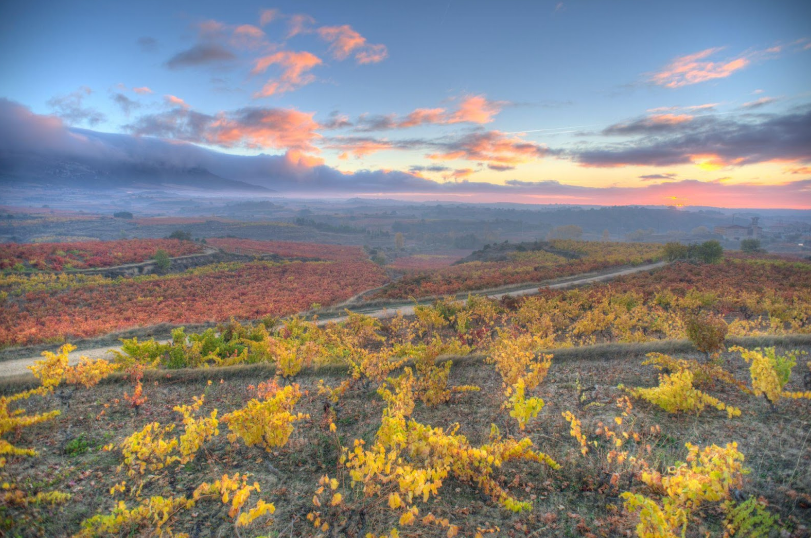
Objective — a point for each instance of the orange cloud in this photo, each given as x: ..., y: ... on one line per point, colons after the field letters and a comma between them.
x: 491, y: 147
x: 694, y: 68
x: 360, y: 147
x: 670, y: 119
x: 460, y: 173
x: 345, y: 41
x: 472, y: 109
x: 295, y: 71
x: 143, y: 90
x: 175, y: 101
x: 475, y: 109
x: 423, y: 115
x: 264, y: 128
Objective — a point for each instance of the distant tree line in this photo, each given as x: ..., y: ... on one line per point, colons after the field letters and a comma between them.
x: 326, y: 227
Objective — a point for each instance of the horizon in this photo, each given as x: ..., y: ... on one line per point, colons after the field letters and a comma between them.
x: 549, y: 103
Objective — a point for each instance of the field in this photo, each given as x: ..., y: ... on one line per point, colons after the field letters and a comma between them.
x: 553, y: 260
x: 88, y: 254
x: 289, y: 249
x: 567, y: 413
x: 209, y: 294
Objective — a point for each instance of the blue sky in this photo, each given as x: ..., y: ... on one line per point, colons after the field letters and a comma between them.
x: 553, y: 77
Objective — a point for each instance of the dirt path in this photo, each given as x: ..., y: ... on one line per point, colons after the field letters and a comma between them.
x: 17, y: 367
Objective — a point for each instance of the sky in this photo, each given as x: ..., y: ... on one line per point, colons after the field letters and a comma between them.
x: 590, y: 102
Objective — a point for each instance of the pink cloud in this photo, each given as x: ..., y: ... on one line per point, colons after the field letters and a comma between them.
x: 360, y: 147
x: 295, y: 71
x: 695, y: 68
x: 475, y: 109
x: 344, y: 41
x: 298, y: 24
x: 265, y: 128
x: 266, y: 16
x: 422, y: 116
x: 143, y: 90
x: 175, y: 101
x: 491, y: 147
x: 460, y: 173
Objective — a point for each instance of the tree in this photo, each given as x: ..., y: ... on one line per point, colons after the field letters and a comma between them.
x: 570, y: 231
x: 399, y: 241
x: 123, y: 215
x: 750, y: 245
x: 708, y: 252
x: 676, y: 251
x: 180, y: 234
x: 701, y: 230
x: 162, y: 261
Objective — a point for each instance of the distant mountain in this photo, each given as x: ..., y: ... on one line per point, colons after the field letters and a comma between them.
x: 20, y: 169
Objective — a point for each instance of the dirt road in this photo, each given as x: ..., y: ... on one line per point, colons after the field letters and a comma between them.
x: 18, y: 367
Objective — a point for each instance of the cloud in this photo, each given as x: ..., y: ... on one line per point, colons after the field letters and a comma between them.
x: 651, y: 177
x: 804, y: 170
x: 476, y: 109
x: 249, y: 127
x: 695, y: 68
x: 490, y: 147
x: 657, y: 123
x: 266, y: 16
x: 705, y: 106
x: 69, y: 108
x: 471, y: 109
x: 295, y: 71
x: 22, y: 132
x: 172, y: 100
x: 298, y: 24
x: 460, y: 173
x: 337, y: 121
x: 360, y: 147
x: 714, y: 142
x: 143, y: 90
x: 757, y: 103
x: 127, y: 105
x: 432, y: 168
x: 147, y: 44
x: 201, y: 54
x: 500, y: 167
x: 247, y: 36
x: 344, y: 41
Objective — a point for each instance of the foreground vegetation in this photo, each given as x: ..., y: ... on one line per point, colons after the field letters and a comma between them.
x: 470, y: 418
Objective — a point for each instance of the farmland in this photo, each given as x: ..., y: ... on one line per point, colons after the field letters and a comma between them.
x: 559, y: 412
x: 553, y: 260
x: 88, y: 254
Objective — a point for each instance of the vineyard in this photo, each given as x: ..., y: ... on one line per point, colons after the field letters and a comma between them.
x: 564, y: 258
x: 460, y: 420
x: 289, y: 249
x: 88, y: 254
x: 82, y: 308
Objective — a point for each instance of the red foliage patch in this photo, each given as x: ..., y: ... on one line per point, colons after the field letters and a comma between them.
x: 289, y: 249
x: 89, y: 254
